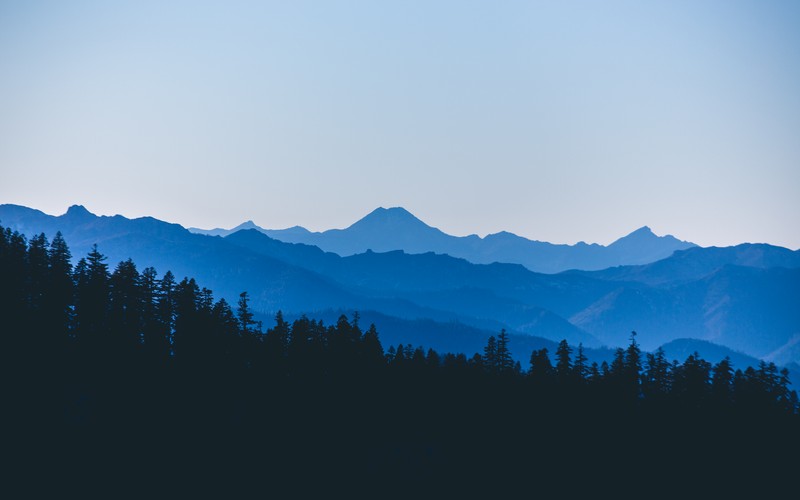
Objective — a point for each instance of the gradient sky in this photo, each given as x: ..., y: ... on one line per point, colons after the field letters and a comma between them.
x: 559, y: 121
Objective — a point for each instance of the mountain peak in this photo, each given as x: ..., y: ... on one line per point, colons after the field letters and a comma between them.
x: 645, y: 234
x: 644, y: 246
x: 643, y: 231
x: 392, y: 216
x: 78, y: 211
x: 248, y: 224
x: 642, y: 234
x: 391, y: 212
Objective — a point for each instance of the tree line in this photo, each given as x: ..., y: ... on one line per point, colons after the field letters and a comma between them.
x: 94, y: 351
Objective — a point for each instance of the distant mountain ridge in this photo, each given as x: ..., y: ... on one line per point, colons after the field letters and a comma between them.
x: 283, y: 277
x: 695, y: 263
x: 744, y: 297
x: 388, y: 229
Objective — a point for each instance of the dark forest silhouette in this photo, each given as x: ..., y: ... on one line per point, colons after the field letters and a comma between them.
x: 132, y: 373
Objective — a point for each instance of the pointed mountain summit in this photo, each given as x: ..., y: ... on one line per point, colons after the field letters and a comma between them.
x: 77, y: 215
x: 391, y: 222
x: 397, y: 217
x: 248, y: 224
x: 641, y: 233
x: 644, y: 246
x: 79, y: 212
x: 382, y: 230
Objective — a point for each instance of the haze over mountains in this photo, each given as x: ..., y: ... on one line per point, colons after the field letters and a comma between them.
x: 387, y: 229
x: 744, y: 297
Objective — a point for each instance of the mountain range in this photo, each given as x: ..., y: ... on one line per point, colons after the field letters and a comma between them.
x: 387, y: 229
x: 742, y: 298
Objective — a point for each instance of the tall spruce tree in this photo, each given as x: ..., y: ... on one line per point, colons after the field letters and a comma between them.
x: 92, y: 303
x: 37, y: 280
x: 564, y: 361
x: 125, y: 315
x: 656, y: 381
x: 580, y: 368
x: 722, y: 382
x: 541, y: 368
x: 503, y: 354
x: 244, y: 314
x: 633, y: 366
x: 60, y: 288
x: 490, y: 354
x: 166, y: 307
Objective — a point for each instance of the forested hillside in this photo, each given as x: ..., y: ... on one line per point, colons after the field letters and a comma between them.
x: 128, y: 372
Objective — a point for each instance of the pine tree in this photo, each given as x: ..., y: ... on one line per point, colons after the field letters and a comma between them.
x: 165, y: 313
x: 390, y: 355
x: 188, y: 322
x: 580, y: 368
x: 418, y: 359
x: 371, y: 347
x: 490, y: 354
x: 432, y: 359
x: 37, y: 280
x: 244, y: 314
x: 80, y: 278
x: 205, y: 302
x: 223, y: 315
x: 60, y: 289
x: 617, y: 368
x: 92, y: 303
x: 692, y: 381
x: 564, y: 361
x: 14, y: 270
x: 399, y: 358
x: 125, y: 315
x: 616, y: 380
x: 15, y: 333
x: 633, y: 365
x: 227, y: 328
x: 594, y: 373
x: 503, y: 355
x: 541, y: 368
x: 148, y: 295
x: 656, y: 381
x: 282, y: 340
x: 787, y: 398
x: 722, y: 382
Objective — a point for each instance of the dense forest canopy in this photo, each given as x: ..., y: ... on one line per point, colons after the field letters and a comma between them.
x: 96, y: 351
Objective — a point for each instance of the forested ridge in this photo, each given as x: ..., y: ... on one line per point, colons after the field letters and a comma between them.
x: 136, y: 374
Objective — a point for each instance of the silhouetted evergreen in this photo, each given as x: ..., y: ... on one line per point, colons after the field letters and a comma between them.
x: 564, y: 362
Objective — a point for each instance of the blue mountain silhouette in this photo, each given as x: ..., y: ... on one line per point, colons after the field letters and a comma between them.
x: 742, y: 297
x: 387, y: 229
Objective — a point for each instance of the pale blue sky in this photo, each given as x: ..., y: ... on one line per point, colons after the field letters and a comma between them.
x: 559, y: 121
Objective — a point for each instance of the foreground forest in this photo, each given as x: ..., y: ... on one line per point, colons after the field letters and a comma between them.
x: 134, y: 377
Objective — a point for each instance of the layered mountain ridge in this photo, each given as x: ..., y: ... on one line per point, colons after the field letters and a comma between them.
x: 742, y: 297
x: 387, y: 229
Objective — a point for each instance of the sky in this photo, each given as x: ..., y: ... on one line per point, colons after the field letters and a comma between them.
x: 559, y: 121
